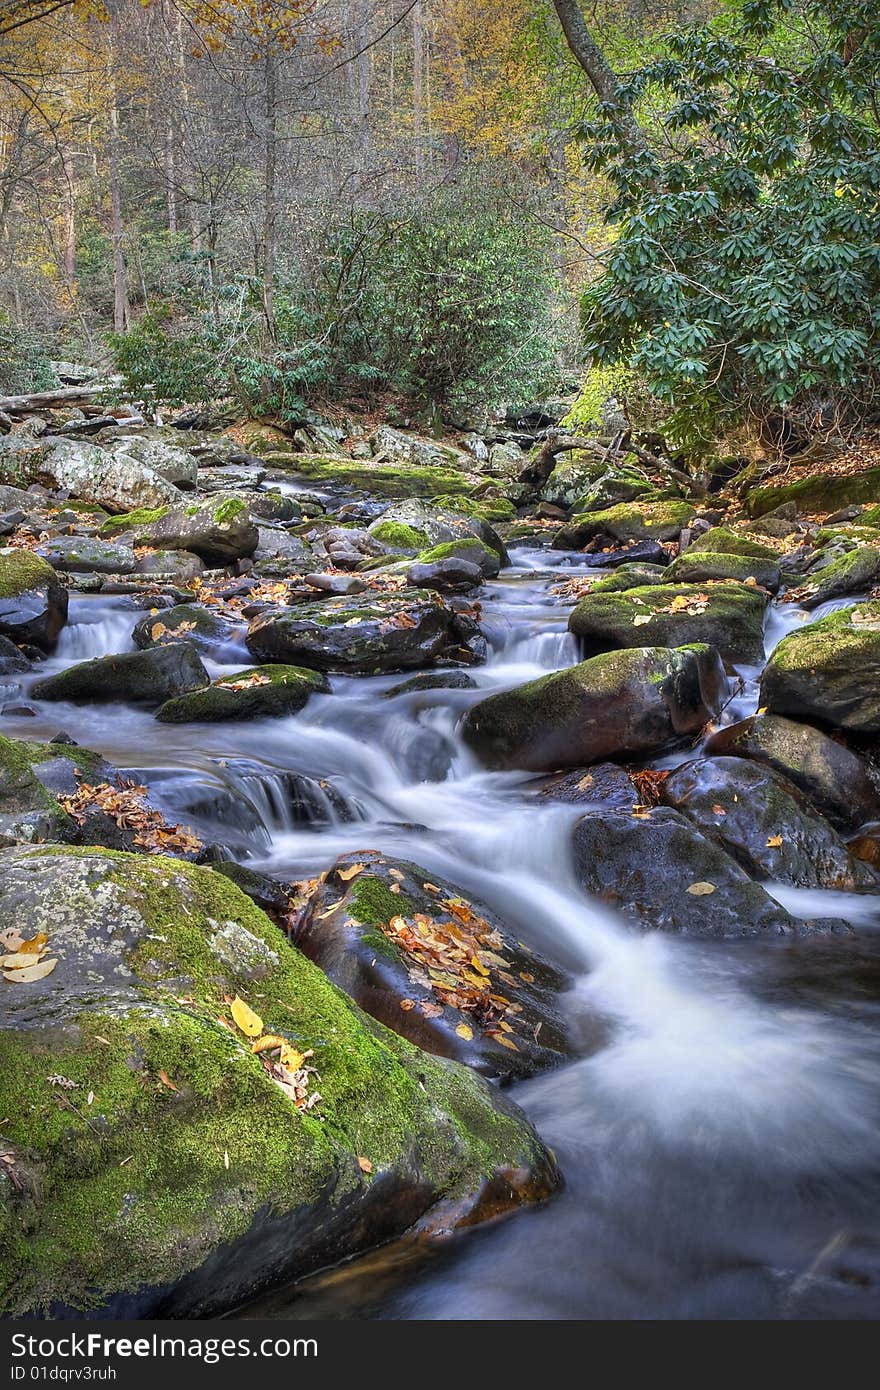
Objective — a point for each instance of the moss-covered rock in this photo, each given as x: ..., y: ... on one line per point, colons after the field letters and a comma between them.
x: 276, y: 691
x: 468, y: 548
x: 484, y: 508
x: 359, y: 635
x: 85, y: 555
x: 818, y: 493
x: 380, y: 479
x: 218, y: 530
x: 695, y: 567
x: 721, y: 540
x: 346, y: 930
x: 396, y: 536
x: 30, y: 776
x: 185, y: 622
x: 727, y: 616
x: 189, y: 1178
x: 144, y: 678
x: 630, y: 576
x: 33, y: 603
x: 853, y: 573
x: 445, y: 523
x: 134, y: 521
x: 828, y: 672
x: 631, y: 521
x: 622, y: 703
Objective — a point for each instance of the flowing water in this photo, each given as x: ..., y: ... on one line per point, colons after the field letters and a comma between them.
x: 719, y: 1133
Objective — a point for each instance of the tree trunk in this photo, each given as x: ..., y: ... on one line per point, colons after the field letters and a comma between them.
x: 602, y: 76
x: 364, y: 65
x: 270, y: 195
x: 120, y: 296
x: 170, y: 174
x: 69, y: 223
x: 418, y: 41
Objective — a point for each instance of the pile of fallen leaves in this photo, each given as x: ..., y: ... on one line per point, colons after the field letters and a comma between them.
x: 281, y: 1060
x: 126, y: 804
x: 25, y: 961
x: 647, y: 781
x: 456, y: 960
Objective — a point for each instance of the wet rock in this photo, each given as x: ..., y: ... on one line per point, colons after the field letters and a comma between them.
x: 277, y: 544
x: 854, y: 573
x: 696, y: 567
x: 229, y: 478
x: 274, y: 506
x: 663, y: 874
x: 259, y: 693
x: 397, y: 538
x: 631, y: 521
x: 448, y: 576
x: 628, y: 577
x: 347, y: 930
x: 436, y: 680
x: 85, y: 555
x: 339, y: 585
x: 251, y: 1189
x: 147, y: 677
x: 764, y: 822
x: 170, y: 564
x: 721, y: 540
x: 639, y: 553
x: 834, y: 778
x: 828, y: 672
x: 218, y: 531
x: 355, y: 635
x: 187, y: 622
x: 729, y: 617
x: 31, y: 774
x: 442, y: 524
x: 625, y: 703
x: 12, y: 661
x: 603, y: 784
x: 470, y: 549
x: 33, y: 604
x: 270, y: 896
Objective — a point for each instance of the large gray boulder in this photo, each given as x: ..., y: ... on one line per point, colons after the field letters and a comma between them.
x: 118, y: 483
x: 828, y: 672
x: 138, y: 678
x: 218, y: 531
x: 170, y: 461
x: 730, y: 617
x: 87, y: 555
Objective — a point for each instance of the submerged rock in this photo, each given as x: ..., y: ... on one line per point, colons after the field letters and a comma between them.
x: 355, y: 635
x: 854, y: 573
x: 829, y: 671
x: 662, y: 873
x: 33, y: 604
x: 762, y: 820
x: 142, y: 678
x: 438, y: 969
x: 729, y: 617
x: 620, y: 703
x: 259, y: 693
x: 196, y: 1178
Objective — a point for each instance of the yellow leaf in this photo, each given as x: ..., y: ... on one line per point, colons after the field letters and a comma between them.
x: 290, y: 1058
x: 507, y: 1042
x: 166, y: 1080
x: 699, y: 890
x: 478, y: 965
x: 158, y: 630
x: 33, y: 972
x: 36, y: 943
x: 465, y: 1032
x: 267, y: 1043
x: 774, y: 841
x: 348, y: 874
x: 398, y: 924
x: 20, y: 960
x: 364, y: 1164
x: 250, y: 1023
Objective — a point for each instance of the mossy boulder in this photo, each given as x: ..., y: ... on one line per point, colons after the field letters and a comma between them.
x: 765, y: 823
x: 33, y: 602
x: 397, y: 537
x: 828, y: 672
x: 624, y: 703
x: 721, y: 540
x: 485, y: 508
x: 86, y: 555
x: 134, y: 521
x: 185, y: 622
x: 662, y: 874
x: 695, y: 567
x: 833, y: 777
x: 373, y: 476
x: 631, y: 521
x: 468, y: 548
x: 729, y: 617
x: 218, y: 530
x: 176, y: 565
x: 818, y: 492
x: 139, y: 678
x: 853, y: 573
x: 85, y: 471
x: 359, y: 635
x: 274, y: 691
x: 167, y: 1173
x: 631, y: 576
x: 31, y: 774
x: 347, y: 930
x: 444, y: 524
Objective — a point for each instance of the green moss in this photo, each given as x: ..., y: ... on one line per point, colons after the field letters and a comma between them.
x: 727, y: 616
x: 133, y: 521
x: 398, y: 535
x: 142, y: 1182
x: 701, y: 565
x: 28, y: 809
x: 228, y: 510
x: 384, y: 480
x: 818, y: 493
x: 721, y: 540
x: 287, y: 691
x: 857, y: 570
x: 21, y: 571
x: 464, y: 548
x: 373, y: 901
x: 629, y: 521
x: 486, y: 509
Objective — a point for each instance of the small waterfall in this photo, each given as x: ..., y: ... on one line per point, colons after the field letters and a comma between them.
x: 105, y: 634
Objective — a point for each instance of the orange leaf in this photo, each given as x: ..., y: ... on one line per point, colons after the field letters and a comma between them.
x: 166, y: 1081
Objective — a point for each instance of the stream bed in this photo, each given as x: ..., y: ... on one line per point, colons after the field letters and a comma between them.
x: 719, y: 1132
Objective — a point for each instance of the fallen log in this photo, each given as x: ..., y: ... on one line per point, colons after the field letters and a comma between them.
x: 538, y: 469
x: 45, y: 400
